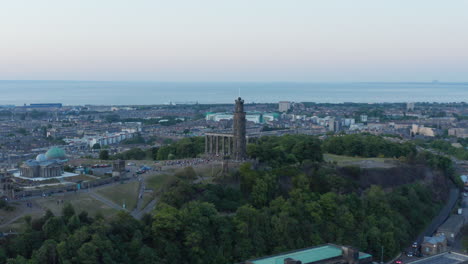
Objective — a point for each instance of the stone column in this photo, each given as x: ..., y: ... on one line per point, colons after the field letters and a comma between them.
x: 222, y: 144
x: 217, y: 144
x: 211, y: 144
x: 206, y: 144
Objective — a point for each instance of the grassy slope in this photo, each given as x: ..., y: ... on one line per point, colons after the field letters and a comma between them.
x: 120, y: 193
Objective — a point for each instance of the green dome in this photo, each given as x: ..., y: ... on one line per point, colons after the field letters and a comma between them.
x: 55, y: 153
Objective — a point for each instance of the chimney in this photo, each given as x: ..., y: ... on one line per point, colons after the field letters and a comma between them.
x: 350, y: 255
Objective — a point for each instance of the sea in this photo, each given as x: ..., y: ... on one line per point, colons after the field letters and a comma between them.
x: 148, y: 93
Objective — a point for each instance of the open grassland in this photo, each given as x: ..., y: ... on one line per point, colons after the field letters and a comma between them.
x: 359, y: 161
x: 156, y: 181
x: 122, y: 193
x: 80, y: 201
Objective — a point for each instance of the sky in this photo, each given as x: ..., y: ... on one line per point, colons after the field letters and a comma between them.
x: 241, y: 40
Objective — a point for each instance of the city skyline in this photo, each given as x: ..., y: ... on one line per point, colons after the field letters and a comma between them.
x: 304, y: 41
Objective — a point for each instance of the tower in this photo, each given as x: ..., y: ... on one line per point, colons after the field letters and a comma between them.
x: 239, y: 131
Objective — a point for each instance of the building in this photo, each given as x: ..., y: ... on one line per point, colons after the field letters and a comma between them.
x: 325, y: 254
x: 434, y: 245
x: 464, y: 179
x: 450, y: 257
x: 239, y: 131
x: 458, y: 132
x: 45, y: 165
x: 349, y: 121
x: 410, y: 106
x: 284, y: 106
x: 451, y: 227
x: 102, y: 140
x: 118, y: 168
x: 364, y: 118
x: 331, y: 125
x: 422, y: 130
x: 255, y: 117
x: 52, y: 105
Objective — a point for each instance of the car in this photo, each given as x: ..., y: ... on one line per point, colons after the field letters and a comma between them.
x: 398, y: 261
x: 409, y: 253
x: 415, y: 245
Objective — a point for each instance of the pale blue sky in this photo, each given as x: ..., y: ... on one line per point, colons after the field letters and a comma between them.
x: 237, y: 40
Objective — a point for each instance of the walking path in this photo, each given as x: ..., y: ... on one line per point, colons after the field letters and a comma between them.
x: 151, y: 205
x: 106, y: 201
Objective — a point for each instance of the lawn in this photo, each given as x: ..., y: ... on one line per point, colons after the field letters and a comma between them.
x: 80, y: 201
x: 122, y: 193
x: 157, y: 181
x: 347, y: 160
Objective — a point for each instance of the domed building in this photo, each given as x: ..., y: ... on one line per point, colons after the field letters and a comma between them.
x: 45, y: 165
x: 55, y: 153
x: 41, y: 158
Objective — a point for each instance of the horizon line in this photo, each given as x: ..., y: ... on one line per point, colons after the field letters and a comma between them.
x: 299, y: 82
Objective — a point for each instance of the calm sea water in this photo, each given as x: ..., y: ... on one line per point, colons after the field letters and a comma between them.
x: 132, y: 93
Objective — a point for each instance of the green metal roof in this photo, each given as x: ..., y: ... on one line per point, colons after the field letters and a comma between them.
x: 55, y: 153
x: 306, y: 255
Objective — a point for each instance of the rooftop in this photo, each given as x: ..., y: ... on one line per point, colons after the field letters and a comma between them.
x: 444, y: 258
x: 306, y: 255
x: 453, y: 223
x: 434, y: 239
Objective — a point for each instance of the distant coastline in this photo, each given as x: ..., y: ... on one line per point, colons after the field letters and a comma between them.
x: 147, y: 93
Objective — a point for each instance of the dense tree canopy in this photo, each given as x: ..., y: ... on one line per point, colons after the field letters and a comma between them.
x: 363, y: 145
x: 296, y: 201
x: 288, y: 149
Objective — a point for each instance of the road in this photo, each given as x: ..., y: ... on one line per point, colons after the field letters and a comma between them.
x: 444, y: 212
x: 444, y: 258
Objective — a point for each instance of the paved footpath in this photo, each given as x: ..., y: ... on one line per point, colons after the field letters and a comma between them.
x: 106, y: 201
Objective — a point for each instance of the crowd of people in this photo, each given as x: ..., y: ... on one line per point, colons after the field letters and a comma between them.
x: 187, y: 162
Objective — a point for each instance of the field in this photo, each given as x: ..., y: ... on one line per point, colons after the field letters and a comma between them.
x: 80, y: 201
x: 122, y: 193
x: 359, y: 161
x: 157, y: 181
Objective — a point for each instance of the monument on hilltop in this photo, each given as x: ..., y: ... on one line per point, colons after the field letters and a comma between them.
x: 239, y: 131
x: 230, y: 144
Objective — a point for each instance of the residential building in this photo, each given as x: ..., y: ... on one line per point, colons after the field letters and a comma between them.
x: 458, y: 132
x: 422, y: 130
x: 451, y: 227
x: 284, y: 106
x: 434, y: 245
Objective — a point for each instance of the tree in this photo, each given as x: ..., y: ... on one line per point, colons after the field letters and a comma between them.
x: 54, y: 228
x: 67, y: 212
x: 104, y: 155
x: 47, y: 253
x: 97, y: 146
